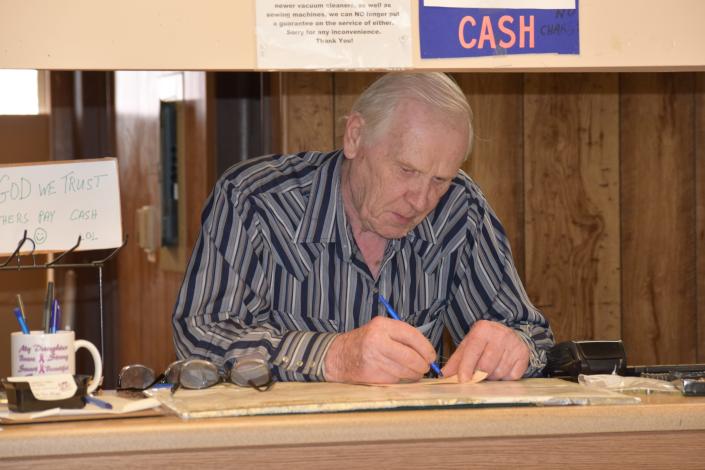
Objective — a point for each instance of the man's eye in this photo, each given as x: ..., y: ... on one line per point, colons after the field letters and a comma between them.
x: 407, y: 170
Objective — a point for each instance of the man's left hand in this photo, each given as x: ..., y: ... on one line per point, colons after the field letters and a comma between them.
x: 490, y: 347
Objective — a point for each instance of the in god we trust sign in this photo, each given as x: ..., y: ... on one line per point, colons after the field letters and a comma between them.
x: 474, y: 28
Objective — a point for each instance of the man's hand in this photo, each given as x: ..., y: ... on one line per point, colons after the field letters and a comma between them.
x: 382, y: 351
x: 490, y: 347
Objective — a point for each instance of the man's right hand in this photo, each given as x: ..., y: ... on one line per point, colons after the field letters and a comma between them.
x: 382, y: 351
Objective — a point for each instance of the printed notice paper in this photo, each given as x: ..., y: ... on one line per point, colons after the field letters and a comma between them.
x: 472, y: 28
x: 353, y: 34
x: 56, y: 202
x: 522, y: 4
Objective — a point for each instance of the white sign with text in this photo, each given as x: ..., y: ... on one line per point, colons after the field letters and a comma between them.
x: 56, y: 202
x: 502, y: 4
x: 304, y: 34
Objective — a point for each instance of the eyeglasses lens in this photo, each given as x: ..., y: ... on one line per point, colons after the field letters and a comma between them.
x: 135, y: 376
x: 197, y: 374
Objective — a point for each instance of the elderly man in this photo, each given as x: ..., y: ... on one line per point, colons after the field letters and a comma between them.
x: 295, y: 251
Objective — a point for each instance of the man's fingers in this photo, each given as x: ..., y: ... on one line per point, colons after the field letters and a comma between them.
x: 401, y: 371
x: 474, y: 350
x: 518, y: 369
x: 500, y: 369
x: 492, y: 348
x: 451, y: 367
x: 409, y: 358
x: 382, y: 351
x: 411, y: 337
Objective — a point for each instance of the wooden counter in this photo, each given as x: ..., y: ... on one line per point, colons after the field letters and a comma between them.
x: 664, y: 431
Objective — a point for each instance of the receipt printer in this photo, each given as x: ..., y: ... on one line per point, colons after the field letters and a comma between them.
x: 569, y: 359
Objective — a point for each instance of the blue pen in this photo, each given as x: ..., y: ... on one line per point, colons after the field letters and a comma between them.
x: 20, y: 320
x: 395, y: 316
x: 98, y: 402
x: 55, y: 315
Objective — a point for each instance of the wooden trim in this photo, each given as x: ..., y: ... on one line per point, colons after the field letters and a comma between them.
x: 220, y: 35
x: 700, y: 210
x: 606, y: 451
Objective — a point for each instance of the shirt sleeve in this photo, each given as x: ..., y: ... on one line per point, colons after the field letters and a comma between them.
x: 222, y: 311
x: 487, y: 287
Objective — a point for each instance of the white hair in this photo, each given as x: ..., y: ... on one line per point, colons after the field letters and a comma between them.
x: 377, y: 103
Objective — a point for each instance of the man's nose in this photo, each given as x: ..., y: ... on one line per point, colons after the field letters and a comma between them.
x: 419, y: 197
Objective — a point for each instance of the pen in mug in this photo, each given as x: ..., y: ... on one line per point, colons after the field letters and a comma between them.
x: 20, y: 304
x: 48, y: 301
x: 395, y: 316
x: 68, y: 312
x: 55, y: 315
x: 20, y: 320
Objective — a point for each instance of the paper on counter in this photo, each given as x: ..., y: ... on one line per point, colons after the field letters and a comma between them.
x: 477, y: 377
x: 120, y: 406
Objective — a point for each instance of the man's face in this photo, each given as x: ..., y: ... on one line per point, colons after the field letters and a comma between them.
x: 397, y: 178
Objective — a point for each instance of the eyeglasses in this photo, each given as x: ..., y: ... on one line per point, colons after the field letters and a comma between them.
x: 253, y: 371
x: 195, y: 374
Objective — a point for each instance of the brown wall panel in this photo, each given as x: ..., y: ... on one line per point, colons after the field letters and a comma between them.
x: 147, y: 292
x: 307, y: 112
x: 700, y: 210
x: 347, y: 87
x: 572, y: 202
x: 658, y: 225
x: 497, y: 155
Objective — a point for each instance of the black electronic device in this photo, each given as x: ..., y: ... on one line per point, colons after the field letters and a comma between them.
x: 168, y: 128
x: 21, y: 399
x: 569, y: 359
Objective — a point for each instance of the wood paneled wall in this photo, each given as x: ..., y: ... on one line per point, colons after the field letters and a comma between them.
x: 700, y: 209
x: 599, y: 180
x: 147, y: 292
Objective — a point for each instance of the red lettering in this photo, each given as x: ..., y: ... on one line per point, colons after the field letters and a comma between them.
x: 461, y: 32
x: 486, y: 33
x: 512, y: 37
x: 526, y: 29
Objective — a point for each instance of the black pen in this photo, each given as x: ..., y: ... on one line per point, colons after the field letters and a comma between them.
x: 48, y: 301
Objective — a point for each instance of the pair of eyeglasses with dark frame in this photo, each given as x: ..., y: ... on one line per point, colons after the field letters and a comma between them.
x: 195, y: 374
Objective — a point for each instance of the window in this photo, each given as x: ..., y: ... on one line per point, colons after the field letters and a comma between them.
x: 19, y: 92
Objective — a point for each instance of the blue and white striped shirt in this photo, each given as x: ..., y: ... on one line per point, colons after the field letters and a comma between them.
x: 276, y: 271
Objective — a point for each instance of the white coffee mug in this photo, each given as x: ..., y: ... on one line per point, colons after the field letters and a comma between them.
x: 40, y: 353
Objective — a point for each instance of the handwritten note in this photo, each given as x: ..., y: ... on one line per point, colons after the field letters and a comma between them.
x: 56, y: 202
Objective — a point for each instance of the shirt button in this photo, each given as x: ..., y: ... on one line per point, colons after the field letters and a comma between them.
x: 285, y: 359
x: 375, y: 291
x: 300, y: 363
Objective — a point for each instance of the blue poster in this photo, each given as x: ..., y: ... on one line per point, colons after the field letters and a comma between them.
x: 451, y: 31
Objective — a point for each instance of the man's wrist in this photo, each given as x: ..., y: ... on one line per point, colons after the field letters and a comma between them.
x: 299, y: 355
x: 331, y: 361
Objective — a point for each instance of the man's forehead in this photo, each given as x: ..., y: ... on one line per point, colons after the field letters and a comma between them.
x: 440, y: 166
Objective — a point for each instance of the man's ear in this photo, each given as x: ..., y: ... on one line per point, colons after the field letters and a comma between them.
x: 352, y: 139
